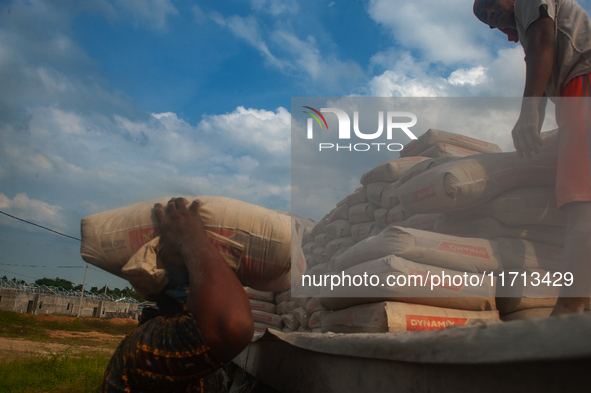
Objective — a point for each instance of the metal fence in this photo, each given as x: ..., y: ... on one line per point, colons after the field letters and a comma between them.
x: 51, y: 290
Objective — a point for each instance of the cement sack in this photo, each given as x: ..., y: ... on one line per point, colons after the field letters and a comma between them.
x: 338, y: 229
x: 397, y: 214
x: 433, y: 136
x: 424, y: 222
x: 424, y: 166
x: 389, y: 195
x: 508, y: 306
x: 316, y: 330
x: 314, y: 305
x: 252, y: 238
x: 447, y: 150
x: 267, y: 318
x: 362, y: 212
x: 451, y: 252
x: 532, y: 313
x: 317, y: 257
x: 262, y: 296
x: 316, y: 319
x: 280, y: 308
x: 390, y: 171
x: 301, y: 301
x: 339, y: 213
x: 318, y: 228
x: 308, y: 248
x: 524, y: 254
x: 290, y: 306
x: 490, y: 228
x: 374, y: 192
x: 524, y: 206
x: 402, y: 317
x: 290, y: 321
x: 262, y: 306
x: 302, y: 316
x: 260, y: 329
x: 321, y: 240
x: 287, y: 330
x: 472, y: 181
x: 283, y: 296
x: 413, y: 283
x: 380, y: 217
x: 358, y: 196
x: 337, y: 244
x: 360, y: 232
x: 549, y: 141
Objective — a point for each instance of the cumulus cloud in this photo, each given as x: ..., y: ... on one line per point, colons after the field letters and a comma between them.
x: 31, y: 210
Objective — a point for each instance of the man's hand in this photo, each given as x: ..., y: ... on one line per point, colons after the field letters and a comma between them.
x: 181, y: 229
x: 526, y: 135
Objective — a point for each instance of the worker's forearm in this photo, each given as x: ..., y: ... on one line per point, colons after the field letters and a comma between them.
x: 539, y: 61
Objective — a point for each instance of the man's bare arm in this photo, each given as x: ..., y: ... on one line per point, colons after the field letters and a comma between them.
x: 539, y: 62
x: 216, y: 298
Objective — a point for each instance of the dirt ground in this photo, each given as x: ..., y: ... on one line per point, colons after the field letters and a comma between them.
x: 12, y: 348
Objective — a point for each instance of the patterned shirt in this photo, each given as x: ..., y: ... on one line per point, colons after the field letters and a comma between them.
x: 166, y: 354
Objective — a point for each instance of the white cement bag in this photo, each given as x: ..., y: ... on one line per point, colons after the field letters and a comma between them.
x: 262, y: 296
x: 259, y: 305
x: 308, y: 248
x: 361, y: 231
x: 339, y: 213
x: 424, y: 166
x: 402, y: 317
x: 447, y: 150
x: 389, y: 197
x: 390, y: 171
x: 314, y: 305
x: 362, y: 212
x: 451, y: 252
x: 397, y: 214
x: 524, y: 206
x: 338, y: 229
x: 490, y: 228
x: 433, y: 136
x: 531, y: 313
x: 472, y: 181
x: 413, y: 283
x: 422, y: 221
x: 380, y: 216
x: 358, y: 196
x: 524, y: 254
x: 283, y: 296
x: 111, y: 238
x: 316, y: 319
x: 302, y: 316
x: 337, y: 244
x: 321, y: 240
x: 374, y: 192
x: 267, y: 318
x: 290, y: 321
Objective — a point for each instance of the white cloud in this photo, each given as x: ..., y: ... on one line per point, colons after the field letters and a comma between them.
x: 33, y: 210
x: 436, y: 28
x: 472, y: 76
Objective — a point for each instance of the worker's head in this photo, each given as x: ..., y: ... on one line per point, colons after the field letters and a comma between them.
x: 495, y: 13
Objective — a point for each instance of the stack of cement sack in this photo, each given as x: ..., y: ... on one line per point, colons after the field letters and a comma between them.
x: 464, y: 208
x: 264, y: 311
x: 299, y: 314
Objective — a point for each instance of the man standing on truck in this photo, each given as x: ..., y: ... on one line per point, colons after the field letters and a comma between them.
x: 556, y: 38
x: 183, y: 349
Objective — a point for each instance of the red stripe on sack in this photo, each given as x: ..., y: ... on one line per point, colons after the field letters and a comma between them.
x: 424, y: 322
x: 479, y: 252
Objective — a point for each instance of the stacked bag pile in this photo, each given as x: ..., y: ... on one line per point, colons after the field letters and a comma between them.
x: 450, y: 203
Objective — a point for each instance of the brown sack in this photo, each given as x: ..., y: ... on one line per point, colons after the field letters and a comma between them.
x: 447, y: 150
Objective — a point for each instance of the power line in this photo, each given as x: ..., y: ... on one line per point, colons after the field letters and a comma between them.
x: 40, y: 226
x: 56, y: 267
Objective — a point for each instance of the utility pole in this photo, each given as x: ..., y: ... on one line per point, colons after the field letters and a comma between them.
x: 82, y: 293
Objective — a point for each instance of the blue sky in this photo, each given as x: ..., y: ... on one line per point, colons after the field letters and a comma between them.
x: 108, y: 103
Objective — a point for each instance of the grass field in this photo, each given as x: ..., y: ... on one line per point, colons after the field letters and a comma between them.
x: 56, y: 354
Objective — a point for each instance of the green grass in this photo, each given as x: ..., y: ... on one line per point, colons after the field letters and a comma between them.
x: 54, y: 372
x: 19, y: 325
